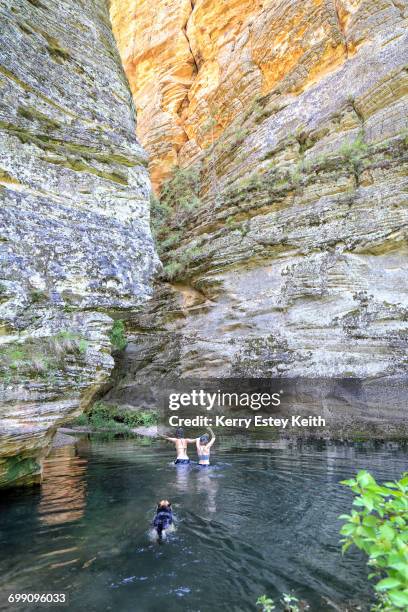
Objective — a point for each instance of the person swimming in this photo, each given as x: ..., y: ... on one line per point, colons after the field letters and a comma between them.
x: 163, y: 519
x: 203, y: 445
x: 181, y: 444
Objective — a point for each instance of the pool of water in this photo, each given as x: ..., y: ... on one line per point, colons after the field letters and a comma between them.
x: 263, y: 519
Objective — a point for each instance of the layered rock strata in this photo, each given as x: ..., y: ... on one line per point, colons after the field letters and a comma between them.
x: 284, y: 230
x: 75, y: 247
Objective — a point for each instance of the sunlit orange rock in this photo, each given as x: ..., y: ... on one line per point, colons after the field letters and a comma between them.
x: 160, y: 67
x: 193, y: 67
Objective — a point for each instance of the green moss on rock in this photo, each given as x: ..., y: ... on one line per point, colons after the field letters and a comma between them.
x: 19, y: 470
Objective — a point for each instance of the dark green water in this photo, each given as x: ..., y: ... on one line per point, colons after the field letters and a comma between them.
x: 263, y: 520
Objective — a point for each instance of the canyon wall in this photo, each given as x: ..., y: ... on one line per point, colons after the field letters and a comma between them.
x: 278, y: 137
x: 75, y: 247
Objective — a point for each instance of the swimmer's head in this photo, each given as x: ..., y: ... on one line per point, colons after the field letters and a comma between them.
x: 204, y: 439
x: 179, y: 432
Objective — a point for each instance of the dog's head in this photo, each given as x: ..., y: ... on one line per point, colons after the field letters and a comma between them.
x: 164, y: 504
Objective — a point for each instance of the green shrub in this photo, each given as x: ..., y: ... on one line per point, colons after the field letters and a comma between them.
x: 110, y: 417
x: 37, y: 295
x: 181, y: 190
x: 140, y: 418
x: 378, y: 525
x: 102, y: 416
x: 173, y: 270
x: 66, y: 334
x: 179, y: 195
x: 230, y: 222
x: 81, y: 420
x: 355, y: 149
x: 83, y: 346
x: 117, y: 336
x: 64, y: 343
x: 289, y: 603
x: 354, y: 152
x: 97, y: 422
x: 160, y: 214
x: 174, y: 238
x: 266, y: 603
x: 103, y: 412
x: 39, y: 357
x: 177, y: 270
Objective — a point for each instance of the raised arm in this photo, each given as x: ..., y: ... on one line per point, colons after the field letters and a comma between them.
x: 167, y: 438
x: 211, y: 442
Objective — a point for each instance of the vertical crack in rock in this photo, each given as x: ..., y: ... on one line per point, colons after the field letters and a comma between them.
x: 185, y: 101
x: 161, y: 69
x: 188, y: 40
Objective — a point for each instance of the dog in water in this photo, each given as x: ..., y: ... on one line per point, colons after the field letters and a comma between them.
x: 163, y: 521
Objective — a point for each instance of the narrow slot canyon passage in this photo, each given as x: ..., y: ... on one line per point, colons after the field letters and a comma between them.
x: 202, y: 195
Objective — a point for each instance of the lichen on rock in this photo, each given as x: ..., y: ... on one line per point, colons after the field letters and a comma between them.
x: 75, y: 246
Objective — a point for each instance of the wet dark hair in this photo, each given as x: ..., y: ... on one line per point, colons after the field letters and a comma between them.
x: 179, y: 432
x: 204, y: 439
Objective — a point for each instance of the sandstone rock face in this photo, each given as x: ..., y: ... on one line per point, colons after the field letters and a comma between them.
x: 75, y: 245
x: 284, y: 236
x: 160, y: 66
x: 191, y: 64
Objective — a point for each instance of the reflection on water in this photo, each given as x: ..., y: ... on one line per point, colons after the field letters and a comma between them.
x: 64, y: 488
x: 208, y: 485
x: 262, y: 519
x: 199, y: 480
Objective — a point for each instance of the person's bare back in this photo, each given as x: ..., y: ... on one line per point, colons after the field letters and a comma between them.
x: 181, y: 444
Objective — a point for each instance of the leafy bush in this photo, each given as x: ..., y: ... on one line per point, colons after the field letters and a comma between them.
x: 113, y: 418
x: 140, y: 418
x: 289, y: 602
x: 179, y: 195
x: 266, y: 603
x: 181, y: 190
x: 98, y: 422
x: 82, y: 346
x: 170, y: 241
x: 102, y: 416
x: 355, y: 149
x: 103, y: 412
x: 177, y: 270
x: 117, y: 336
x: 160, y: 214
x: 173, y: 270
x: 169, y: 214
x: 81, y: 420
x: 40, y: 357
x: 38, y: 296
x: 378, y: 525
